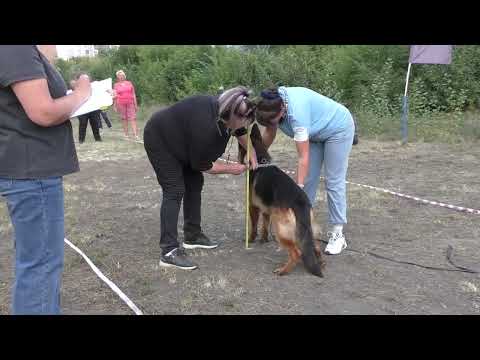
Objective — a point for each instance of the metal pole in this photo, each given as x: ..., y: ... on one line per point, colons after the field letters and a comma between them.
x: 405, y: 109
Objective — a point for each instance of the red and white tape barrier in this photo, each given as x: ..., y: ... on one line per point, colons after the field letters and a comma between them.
x: 415, y: 198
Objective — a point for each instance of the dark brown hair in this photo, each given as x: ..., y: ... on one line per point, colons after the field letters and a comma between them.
x: 269, y: 105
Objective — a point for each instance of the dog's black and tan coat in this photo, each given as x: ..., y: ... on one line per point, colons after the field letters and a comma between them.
x: 285, y: 206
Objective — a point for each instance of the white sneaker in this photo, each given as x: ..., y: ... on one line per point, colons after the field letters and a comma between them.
x: 336, y: 243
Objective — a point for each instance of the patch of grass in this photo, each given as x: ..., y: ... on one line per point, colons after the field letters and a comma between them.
x: 5, y: 224
x: 67, y: 187
x: 282, y: 144
x: 450, y: 128
x: 433, y: 127
x: 470, y: 287
x: 145, y: 287
x: 143, y: 115
x: 112, y: 148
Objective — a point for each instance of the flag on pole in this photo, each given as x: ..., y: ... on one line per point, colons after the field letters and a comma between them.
x: 422, y: 54
x: 430, y: 54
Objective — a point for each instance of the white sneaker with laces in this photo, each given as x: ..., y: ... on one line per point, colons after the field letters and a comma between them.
x: 336, y: 243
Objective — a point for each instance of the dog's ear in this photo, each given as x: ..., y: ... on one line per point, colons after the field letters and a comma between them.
x: 241, y: 154
x: 255, y: 132
x: 263, y: 156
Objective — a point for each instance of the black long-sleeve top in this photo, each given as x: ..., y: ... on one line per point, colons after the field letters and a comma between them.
x: 191, y: 131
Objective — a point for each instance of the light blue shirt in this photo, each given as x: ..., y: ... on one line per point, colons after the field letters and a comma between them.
x: 311, y: 115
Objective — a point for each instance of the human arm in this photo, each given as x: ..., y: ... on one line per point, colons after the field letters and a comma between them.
x: 226, y: 168
x: 303, y: 150
x: 134, y: 97
x: 25, y: 72
x: 41, y: 108
x: 115, y: 97
x: 301, y: 123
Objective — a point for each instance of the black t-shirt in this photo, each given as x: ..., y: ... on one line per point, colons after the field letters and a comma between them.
x: 27, y: 150
x: 190, y: 131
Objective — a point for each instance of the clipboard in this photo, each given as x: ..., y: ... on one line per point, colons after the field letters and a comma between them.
x: 101, y: 97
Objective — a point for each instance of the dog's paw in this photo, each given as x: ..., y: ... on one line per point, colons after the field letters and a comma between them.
x: 264, y: 239
x: 322, y: 265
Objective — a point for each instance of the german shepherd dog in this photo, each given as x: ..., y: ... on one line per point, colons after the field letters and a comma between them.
x: 285, y: 206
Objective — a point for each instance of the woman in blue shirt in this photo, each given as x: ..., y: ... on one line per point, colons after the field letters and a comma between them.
x: 323, y: 131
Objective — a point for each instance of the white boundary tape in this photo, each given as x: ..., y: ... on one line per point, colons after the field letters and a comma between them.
x: 114, y: 287
x: 415, y: 198
x: 430, y: 202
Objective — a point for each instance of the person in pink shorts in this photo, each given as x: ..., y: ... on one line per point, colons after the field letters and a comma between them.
x: 125, y: 102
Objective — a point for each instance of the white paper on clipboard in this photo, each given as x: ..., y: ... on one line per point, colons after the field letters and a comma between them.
x: 100, y: 97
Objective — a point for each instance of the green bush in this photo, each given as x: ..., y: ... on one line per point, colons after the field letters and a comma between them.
x: 370, y: 80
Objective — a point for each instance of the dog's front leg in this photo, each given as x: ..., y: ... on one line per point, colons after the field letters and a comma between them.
x: 254, y: 215
x: 265, y: 226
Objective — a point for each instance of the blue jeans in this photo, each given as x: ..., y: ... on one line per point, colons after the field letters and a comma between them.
x: 332, y: 152
x: 37, y: 213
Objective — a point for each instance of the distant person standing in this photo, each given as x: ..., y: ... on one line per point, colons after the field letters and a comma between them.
x: 104, y: 115
x: 92, y: 117
x: 125, y: 102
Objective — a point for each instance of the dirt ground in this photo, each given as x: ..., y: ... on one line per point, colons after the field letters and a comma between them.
x: 112, y: 214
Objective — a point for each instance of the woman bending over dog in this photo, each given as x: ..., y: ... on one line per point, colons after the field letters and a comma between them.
x: 183, y: 141
x: 323, y: 131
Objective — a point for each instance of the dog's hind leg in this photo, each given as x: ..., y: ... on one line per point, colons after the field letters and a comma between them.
x: 316, y: 228
x: 265, y: 227
x: 283, y: 222
x: 294, y: 256
x: 318, y: 250
x: 317, y: 235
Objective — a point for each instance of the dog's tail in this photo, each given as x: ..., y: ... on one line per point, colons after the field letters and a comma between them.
x: 305, y: 236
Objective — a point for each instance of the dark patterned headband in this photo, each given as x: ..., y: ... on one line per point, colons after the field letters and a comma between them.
x: 269, y: 95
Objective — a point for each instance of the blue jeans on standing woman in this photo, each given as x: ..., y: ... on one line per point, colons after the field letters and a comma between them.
x: 36, y: 210
x: 332, y: 151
